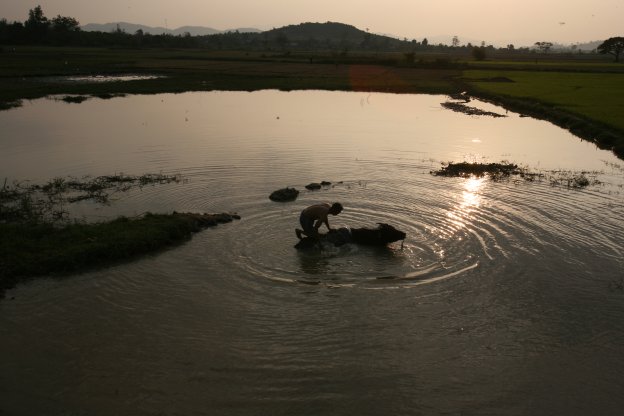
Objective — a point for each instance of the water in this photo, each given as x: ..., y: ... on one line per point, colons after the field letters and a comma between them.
x: 95, y: 79
x: 505, y: 299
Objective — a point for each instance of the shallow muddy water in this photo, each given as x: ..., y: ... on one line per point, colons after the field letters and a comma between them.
x: 506, y: 298
x: 95, y: 79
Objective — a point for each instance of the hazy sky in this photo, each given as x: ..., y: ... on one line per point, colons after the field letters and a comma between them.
x: 521, y: 22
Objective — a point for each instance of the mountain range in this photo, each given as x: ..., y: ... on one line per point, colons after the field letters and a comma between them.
x: 133, y: 28
x: 330, y: 31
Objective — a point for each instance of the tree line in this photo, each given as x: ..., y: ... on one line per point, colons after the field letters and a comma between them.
x: 66, y: 31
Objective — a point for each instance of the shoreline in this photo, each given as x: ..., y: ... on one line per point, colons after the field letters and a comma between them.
x: 177, y: 72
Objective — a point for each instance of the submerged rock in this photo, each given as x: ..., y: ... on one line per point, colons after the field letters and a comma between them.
x: 315, y: 185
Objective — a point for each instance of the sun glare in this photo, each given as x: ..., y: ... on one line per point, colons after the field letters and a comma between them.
x: 470, y: 199
x: 471, y: 196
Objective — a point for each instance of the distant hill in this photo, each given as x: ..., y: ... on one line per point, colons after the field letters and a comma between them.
x: 132, y: 28
x: 310, y: 36
x: 320, y: 31
x: 330, y: 34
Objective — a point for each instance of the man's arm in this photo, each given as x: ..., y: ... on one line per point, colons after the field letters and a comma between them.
x: 322, y: 220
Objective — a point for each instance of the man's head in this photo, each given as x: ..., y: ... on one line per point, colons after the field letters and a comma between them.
x: 336, y: 208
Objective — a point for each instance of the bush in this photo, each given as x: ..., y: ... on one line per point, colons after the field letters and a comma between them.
x: 478, y: 53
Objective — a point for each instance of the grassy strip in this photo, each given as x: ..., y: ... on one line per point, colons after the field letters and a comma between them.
x: 31, y: 250
x: 196, y: 70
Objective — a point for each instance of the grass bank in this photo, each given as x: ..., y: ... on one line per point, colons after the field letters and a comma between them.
x: 25, y: 72
x: 43, y: 249
x: 38, y: 237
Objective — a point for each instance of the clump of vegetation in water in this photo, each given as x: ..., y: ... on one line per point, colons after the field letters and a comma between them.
x: 504, y: 170
x: 465, y: 169
x: 26, y: 202
x: 573, y: 179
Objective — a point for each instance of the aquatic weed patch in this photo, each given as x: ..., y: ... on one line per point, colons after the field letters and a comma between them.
x: 26, y: 202
x: 504, y: 170
x: 465, y: 169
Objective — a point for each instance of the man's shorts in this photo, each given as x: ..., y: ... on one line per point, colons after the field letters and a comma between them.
x: 307, y: 224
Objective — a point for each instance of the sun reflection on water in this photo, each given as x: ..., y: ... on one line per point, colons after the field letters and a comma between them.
x: 471, y: 194
x: 470, y: 200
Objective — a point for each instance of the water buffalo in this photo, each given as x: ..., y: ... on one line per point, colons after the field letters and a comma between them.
x: 380, y: 236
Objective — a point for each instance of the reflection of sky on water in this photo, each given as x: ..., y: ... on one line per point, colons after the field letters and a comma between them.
x: 150, y: 133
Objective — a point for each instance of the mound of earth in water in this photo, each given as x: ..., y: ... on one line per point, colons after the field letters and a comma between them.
x: 315, y: 185
x: 284, y: 195
x: 468, y: 110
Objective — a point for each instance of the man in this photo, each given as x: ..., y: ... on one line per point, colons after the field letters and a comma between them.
x: 318, y: 213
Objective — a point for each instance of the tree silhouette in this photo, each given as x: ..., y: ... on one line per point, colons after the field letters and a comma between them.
x: 612, y: 46
x: 37, y: 24
x: 64, y: 29
x: 544, y: 46
x: 65, y: 24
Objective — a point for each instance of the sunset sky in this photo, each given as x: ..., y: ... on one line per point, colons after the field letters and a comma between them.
x: 521, y: 22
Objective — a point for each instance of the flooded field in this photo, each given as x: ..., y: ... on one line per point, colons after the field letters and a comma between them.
x: 506, y: 298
